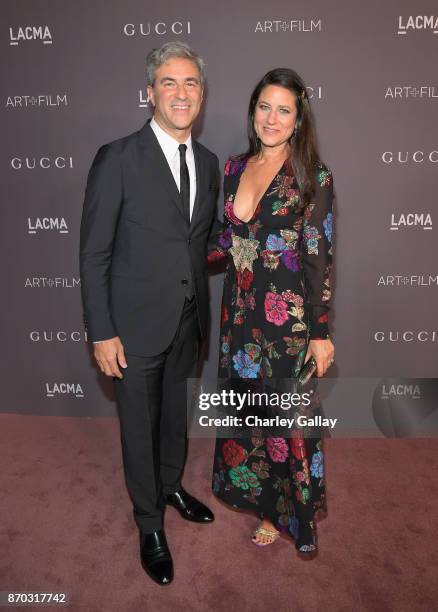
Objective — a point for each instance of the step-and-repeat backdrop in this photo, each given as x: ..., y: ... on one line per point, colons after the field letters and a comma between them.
x: 73, y: 78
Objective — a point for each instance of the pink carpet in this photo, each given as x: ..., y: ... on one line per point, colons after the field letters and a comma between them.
x: 66, y: 524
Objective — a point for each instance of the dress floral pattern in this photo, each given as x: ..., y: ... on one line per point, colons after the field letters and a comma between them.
x: 276, y: 297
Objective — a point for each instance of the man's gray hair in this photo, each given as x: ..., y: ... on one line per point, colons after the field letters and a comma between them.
x: 157, y: 57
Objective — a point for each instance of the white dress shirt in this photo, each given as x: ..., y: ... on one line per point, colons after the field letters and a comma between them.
x: 170, y: 149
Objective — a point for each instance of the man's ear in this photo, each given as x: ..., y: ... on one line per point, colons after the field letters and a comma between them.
x: 150, y: 95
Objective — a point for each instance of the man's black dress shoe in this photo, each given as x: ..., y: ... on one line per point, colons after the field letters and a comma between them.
x: 190, y: 508
x: 155, y: 556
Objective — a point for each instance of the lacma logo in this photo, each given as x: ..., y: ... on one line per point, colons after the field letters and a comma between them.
x: 394, y: 391
x: 419, y: 22
x: 22, y: 34
x: 407, y: 220
x: 143, y: 100
x: 57, y: 389
x: 57, y: 224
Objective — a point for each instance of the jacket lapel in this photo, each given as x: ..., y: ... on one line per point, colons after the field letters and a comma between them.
x: 158, y: 166
x: 200, y: 182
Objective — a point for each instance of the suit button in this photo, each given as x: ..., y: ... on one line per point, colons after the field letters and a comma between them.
x: 184, y: 281
x: 189, y: 241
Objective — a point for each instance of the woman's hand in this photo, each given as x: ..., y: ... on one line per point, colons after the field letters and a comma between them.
x: 324, y: 353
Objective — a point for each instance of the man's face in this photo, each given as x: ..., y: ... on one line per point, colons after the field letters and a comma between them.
x: 176, y: 94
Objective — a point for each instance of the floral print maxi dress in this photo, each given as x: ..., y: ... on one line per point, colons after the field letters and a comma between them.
x: 275, y: 298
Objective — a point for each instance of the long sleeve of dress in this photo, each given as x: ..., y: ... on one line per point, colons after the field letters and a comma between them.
x: 316, y: 253
x: 220, y: 236
x: 219, y: 241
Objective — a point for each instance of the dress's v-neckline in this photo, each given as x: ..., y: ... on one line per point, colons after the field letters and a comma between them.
x: 262, y: 196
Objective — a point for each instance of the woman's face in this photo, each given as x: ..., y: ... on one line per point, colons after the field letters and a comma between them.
x: 275, y: 115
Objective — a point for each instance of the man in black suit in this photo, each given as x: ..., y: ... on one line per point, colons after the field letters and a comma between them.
x: 150, y: 204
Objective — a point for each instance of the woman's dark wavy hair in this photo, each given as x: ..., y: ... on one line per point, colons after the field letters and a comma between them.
x: 304, y: 156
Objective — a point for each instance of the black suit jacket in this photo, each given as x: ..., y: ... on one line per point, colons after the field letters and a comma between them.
x: 136, y: 250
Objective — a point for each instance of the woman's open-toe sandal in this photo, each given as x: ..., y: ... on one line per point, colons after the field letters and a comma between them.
x: 268, y: 533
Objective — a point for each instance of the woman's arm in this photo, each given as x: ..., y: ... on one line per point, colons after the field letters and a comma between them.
x: 316, y: 256
x: 219, y: 240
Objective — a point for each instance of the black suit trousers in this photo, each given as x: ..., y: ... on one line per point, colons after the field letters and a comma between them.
x: 152, y: 408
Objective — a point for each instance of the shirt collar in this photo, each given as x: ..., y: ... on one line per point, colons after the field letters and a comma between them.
x: 167, y: 143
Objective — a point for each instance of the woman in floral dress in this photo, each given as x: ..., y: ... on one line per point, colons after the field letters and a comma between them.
x: 277, y: 237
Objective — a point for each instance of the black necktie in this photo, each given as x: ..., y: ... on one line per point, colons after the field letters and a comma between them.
x: 184, y: 182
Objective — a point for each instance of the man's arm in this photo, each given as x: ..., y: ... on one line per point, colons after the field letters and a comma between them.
x: 103, y: 200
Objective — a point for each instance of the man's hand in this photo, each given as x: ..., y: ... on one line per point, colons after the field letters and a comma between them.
x: 109, y: 355
x: 324, y: 352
